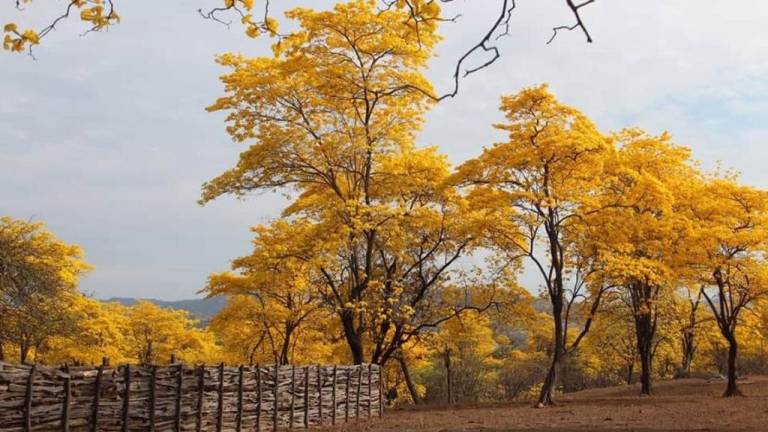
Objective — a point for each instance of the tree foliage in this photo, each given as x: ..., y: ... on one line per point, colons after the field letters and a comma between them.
x: 375, y: 227
x: 37, y: 271
x: 541, y: 186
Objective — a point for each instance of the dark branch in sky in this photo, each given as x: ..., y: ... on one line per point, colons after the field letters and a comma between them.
x: 579, y: 22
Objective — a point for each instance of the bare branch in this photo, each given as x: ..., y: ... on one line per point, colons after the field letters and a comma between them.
x: 483, y: 44
x: 579, y: 22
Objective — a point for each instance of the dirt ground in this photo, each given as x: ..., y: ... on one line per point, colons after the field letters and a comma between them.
x: 680, y: 405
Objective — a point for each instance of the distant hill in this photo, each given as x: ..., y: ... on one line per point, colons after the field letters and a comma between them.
x: 200, y: 309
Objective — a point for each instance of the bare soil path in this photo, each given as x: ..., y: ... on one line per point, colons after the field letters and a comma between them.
x: 679, y: 405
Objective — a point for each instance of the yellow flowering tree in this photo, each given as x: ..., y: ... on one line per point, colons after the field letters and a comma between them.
x: 272, y: 297
x: 155, y: 333
x: 333, y: 116
x: 645, y: 230
x: 537, y: 190
x: 37, y: 271
x: 732, y: 238
x: 99, y: 330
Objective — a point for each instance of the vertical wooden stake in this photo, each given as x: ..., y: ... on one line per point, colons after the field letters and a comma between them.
x: 293, y: 395
x: 179, y: 389
x: 306, y: 397
x: 200, y: 394
x: 276, y: 406
x: 346, y: 397
x: 258, y: 390
x: 239, y: 418
x: 152, y: 397
x: 370, y: 392
x: 126, y: 397
x: 359, y: 386
x: 320, y: 394
x: 65, y: 403
x: 28, y: 400
x: 96, y: 398
x: 381, y: 391
x: 333, y: 392
x: 220, y: 404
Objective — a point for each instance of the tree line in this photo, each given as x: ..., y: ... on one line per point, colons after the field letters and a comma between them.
x: 387, y: 254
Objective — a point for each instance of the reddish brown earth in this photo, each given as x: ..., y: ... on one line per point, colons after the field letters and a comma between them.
x: 680, y: 405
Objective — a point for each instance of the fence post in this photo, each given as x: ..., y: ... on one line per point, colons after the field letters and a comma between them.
x: 179, y: 389
x: 239, y: 418
x: 346, y: 397
x: 126, y: 397
x: 333, y: 392
x: 28, y: 400
x: 370, y: 392
x: 359, y: 387
x: 320, y: 394
x: 220, y: 409
x: 97, y: 397
x: 200, y: 394
x: 293, y: 395
x: 152, y: 397
x: 65, y: 403
x: 258, y: 389
x: 306, y: 397
x: 276, y: 406
x: 381, y: 391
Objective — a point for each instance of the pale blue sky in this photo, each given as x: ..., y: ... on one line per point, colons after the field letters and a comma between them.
x: 105, y: 138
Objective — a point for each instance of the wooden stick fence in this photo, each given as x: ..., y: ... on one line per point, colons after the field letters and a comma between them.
x: 181, y: 398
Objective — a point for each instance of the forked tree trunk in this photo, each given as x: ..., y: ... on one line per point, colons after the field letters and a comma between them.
x: 546, y: 396
x: 285, y: 350
x: 630, y: 372
x: 688, y: 349
x: 23, y: 352
x: 732, y: 389
x: 354, y: 340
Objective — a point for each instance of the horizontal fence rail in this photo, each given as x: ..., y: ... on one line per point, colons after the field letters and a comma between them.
x: 180, y: 397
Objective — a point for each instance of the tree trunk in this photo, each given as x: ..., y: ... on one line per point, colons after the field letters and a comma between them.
x: 23, y: 352
x: 644, y: 332
x: 408, y: 380
x: 630, y: 372
x: 354, y: 340
x: 645, y: 373
x: 546, y: 396
x: 448, y: 377
x: 731, y: 388
x: 643, y: 296
x: 285, y: 349
x: 688, y: 347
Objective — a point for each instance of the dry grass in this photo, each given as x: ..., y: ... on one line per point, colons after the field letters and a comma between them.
x: 681, y: 405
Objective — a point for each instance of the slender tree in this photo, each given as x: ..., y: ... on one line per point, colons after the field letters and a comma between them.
x: 541, y: 185
x: 732, y: 236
